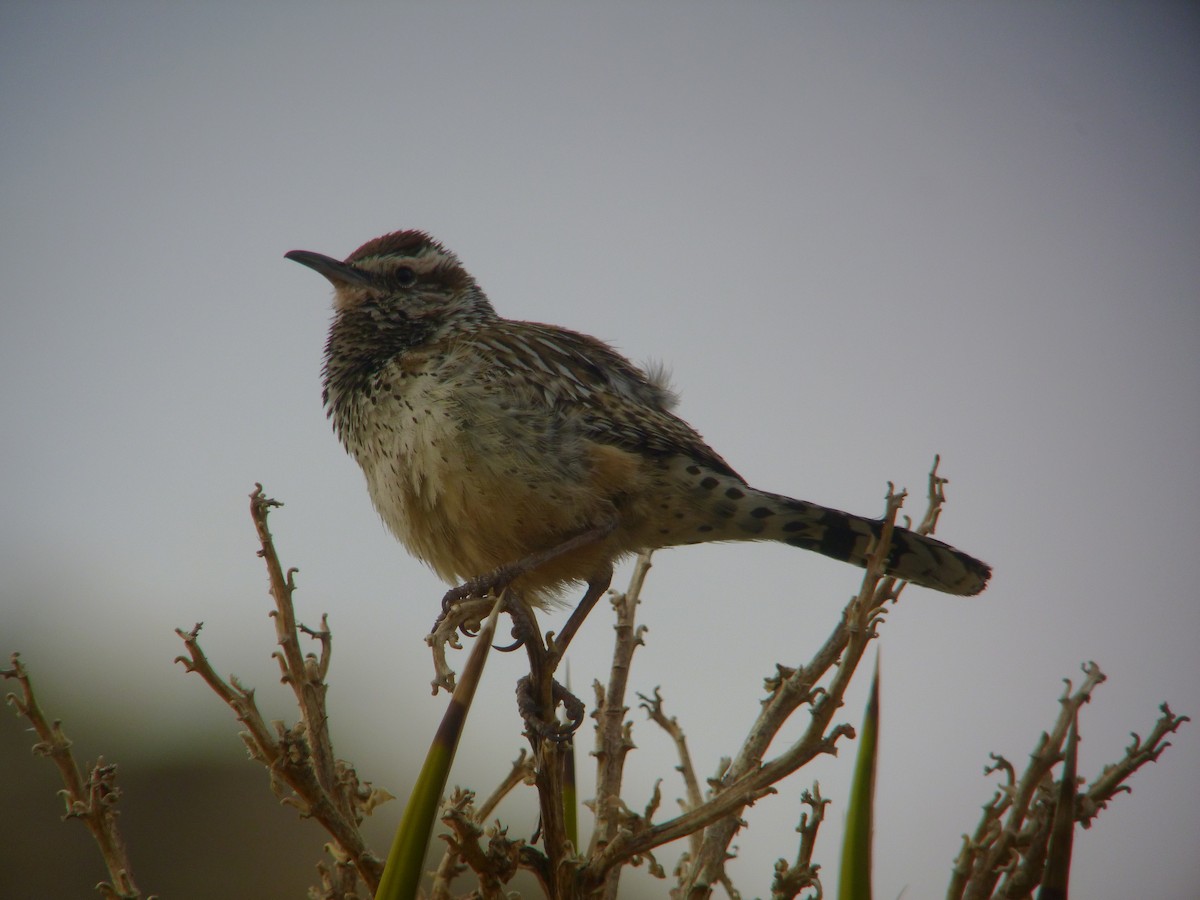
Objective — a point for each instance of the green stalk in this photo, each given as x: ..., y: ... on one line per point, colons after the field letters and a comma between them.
x: 402, y: 873
x: 854, y: 881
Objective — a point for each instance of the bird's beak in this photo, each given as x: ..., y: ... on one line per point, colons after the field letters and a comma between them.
x: 335, y: 270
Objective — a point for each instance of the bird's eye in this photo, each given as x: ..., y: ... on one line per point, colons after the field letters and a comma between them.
x: 404, y: 276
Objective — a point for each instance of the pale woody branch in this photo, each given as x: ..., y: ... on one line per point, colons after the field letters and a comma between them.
x: 300, y: 759
x: 1111, y: 780
x: 748, y: 777
x: 1003, y: 857
x: 613, y: 733
x: 91, y: 800
x: 1006, y: 853
x: 802, y: 875
x: 465, y: 821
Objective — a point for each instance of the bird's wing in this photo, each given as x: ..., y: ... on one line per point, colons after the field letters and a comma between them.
x: 619, y: 403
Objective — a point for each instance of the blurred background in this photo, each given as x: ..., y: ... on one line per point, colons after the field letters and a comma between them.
x: 859, y: 234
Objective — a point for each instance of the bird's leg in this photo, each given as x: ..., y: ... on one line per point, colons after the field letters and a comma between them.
x: 538, y: 694
x: 506, y: 574
x: 553, y: 692
x: 557, y: 643
x: 525, y: 631
x: 596, y: 586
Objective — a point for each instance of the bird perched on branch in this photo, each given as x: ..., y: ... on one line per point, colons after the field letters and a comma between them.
x: 511, y: 454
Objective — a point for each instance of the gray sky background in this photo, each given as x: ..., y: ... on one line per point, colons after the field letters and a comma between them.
x: 858, y: 233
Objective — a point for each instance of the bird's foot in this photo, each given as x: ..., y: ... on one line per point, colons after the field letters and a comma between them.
x: 544, y: 724
x: 493, y: 582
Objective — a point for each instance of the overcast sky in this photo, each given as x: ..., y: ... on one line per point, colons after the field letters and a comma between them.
x: 859, y: 234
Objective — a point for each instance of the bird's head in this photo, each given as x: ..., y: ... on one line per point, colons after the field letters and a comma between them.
x: 404, y: 274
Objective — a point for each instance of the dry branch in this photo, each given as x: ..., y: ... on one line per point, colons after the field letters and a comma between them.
x: 91, y: 799
x: 304, y: 770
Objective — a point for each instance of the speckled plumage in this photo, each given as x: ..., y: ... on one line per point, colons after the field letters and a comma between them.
x: 486, y: 441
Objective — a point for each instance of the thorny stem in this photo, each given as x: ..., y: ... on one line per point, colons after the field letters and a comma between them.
x: 997, y: 846
x: 1009, y: 841
x: 537, y: 696
x: 1006, y: 848
x: 613, y: 740
x: 654, y: 708
x: 620, y: 838
x: 791, y: 880
x: 327, y: 789
x: 301, y: 757
x: 92, y: 800
x: 521, y: 772
x: 748, y: 777
x: 1111, y: 781
x: 303, y: 674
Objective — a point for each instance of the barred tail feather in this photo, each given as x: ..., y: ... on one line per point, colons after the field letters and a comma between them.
x: 844, y: 536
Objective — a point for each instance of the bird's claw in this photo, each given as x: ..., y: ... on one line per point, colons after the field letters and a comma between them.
x: 542, y: 723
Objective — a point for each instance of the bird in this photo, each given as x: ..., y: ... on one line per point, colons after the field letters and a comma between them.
x: 513, y: 455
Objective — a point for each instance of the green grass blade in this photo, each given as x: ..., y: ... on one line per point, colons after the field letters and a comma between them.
x: 402, y: 873
x: 854, y: 880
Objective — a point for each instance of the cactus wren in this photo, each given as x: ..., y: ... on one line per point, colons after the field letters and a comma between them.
x: 506, y: 453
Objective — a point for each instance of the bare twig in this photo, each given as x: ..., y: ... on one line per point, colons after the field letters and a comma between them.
x: 1001, y: 833
x: 451, y: 863
x: 299, y: 758
x: 936, y: 494
x: 1005, y: 855
x: 748, y: 777
x: 802, y: 875
x: 613, y: 732
x: 1111, y: 781
x: 495, y: 863
x: 654, y: 709
x: 91, y: 800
